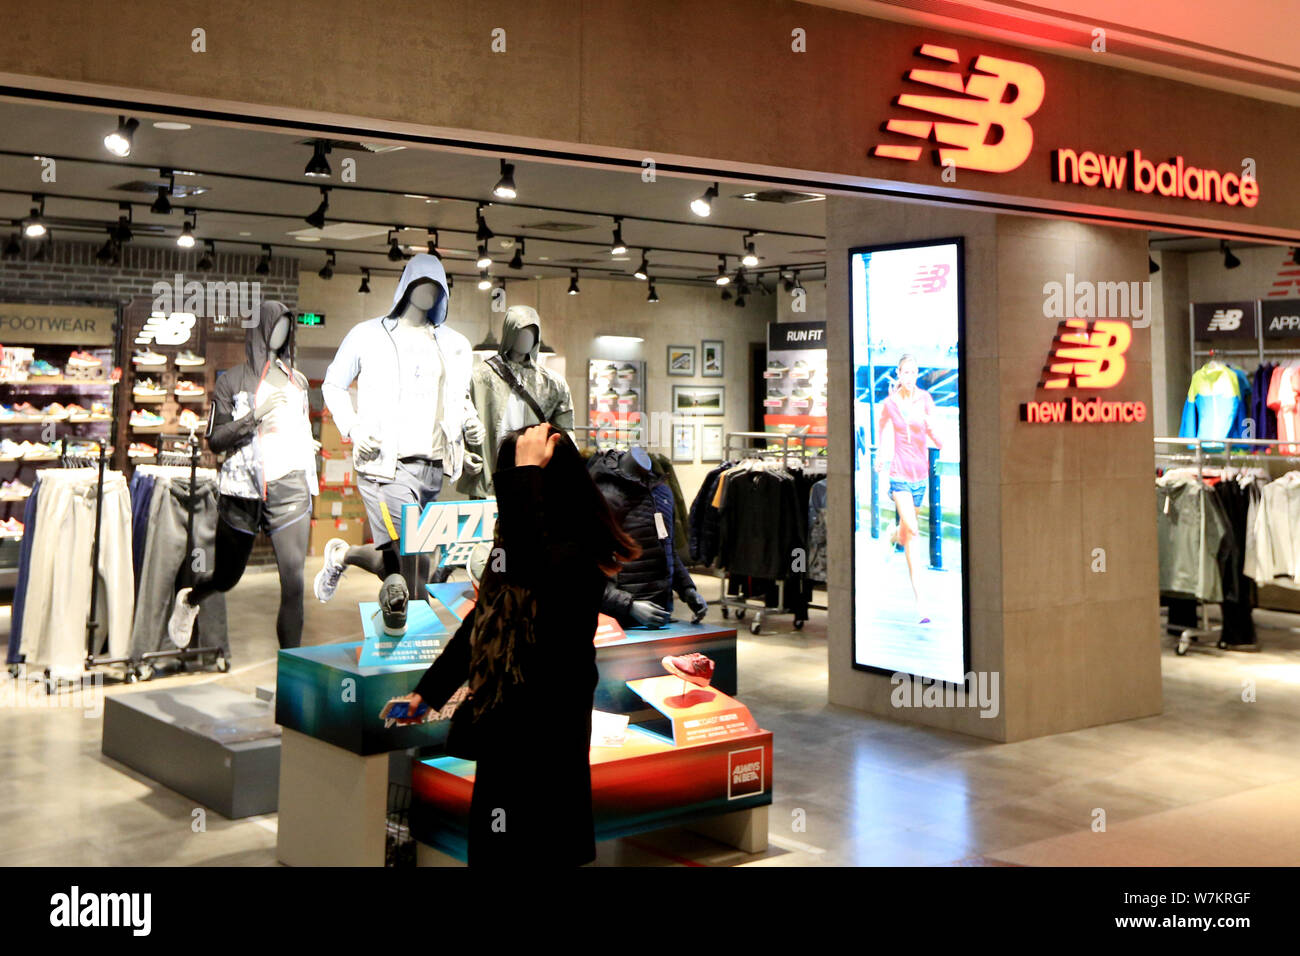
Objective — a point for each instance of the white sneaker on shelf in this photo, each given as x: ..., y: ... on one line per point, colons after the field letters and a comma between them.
x: 180, y: 628
x: 327, y: 580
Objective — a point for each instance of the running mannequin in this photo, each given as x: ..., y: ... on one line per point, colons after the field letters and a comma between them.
x: 411, y: 421
x: 908, y: 415
x: 259, y: 420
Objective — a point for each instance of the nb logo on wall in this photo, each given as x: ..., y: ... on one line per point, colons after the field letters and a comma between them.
x: 1226, y: 320
x: 1087, y: 354
x: 984, y: 125
x: 929, y: 279
x: 166, y: 329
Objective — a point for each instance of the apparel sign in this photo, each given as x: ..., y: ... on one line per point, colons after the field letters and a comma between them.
x: 1224, y: 320
x: 1281, y: 318
x: 78, y: 325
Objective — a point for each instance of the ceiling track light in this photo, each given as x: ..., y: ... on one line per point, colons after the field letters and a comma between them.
x: 433, y: 242
x: 365, y: 283
x: 517, y: 260
x: 327, y: 270
x: 451, y: 282
x: 317, y: 217
x: 722, y: 278
x: 1152, y: 266
x: 34, y: 226
x: 318, y: 166
x: 618, y: 247
x: 726, y: 295
x: 740, y: 301
x: 1230, y: 261
x: 798, y: 286
x: 505, y: 187
x: 750, y: 258
x: 13, y: 248
x: 482, y: 232
x: 484, y: 261
x: 186, y: 239
x: 573, y: 282
x: 123, y: 233
x: 395, y: 253
x: 703, y: 205
x: 208, y: 259
x: 643, y: 270
x: 162, y: 206
x: 652, y: 296
x: 107, y: 252
x: 264, y: 264
x: 484, y: 281
x: 119, y: 141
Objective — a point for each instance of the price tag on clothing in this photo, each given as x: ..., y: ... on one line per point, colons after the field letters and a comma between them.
x: 660, y: 528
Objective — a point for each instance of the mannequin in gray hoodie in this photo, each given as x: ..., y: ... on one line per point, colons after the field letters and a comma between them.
x: 411, y: 420
x: 500, y: 407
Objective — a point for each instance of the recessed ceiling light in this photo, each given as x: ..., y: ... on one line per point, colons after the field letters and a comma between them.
x: 544, y: 258
x: 245, y: 233
x: 168, y: 124
x: 303, y: 238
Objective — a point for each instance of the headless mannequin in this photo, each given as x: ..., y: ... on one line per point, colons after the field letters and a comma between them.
x: 384, y: 560
x: 290, y: 544
x: 636, y: 464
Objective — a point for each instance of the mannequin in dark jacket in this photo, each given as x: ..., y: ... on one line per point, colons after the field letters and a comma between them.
x: 533, y: 765
x: 642, y: 592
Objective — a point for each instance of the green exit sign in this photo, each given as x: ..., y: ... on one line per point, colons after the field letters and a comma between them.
x: 311, y: 318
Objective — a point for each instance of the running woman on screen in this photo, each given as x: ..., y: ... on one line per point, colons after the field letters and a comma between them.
x: 908, y: 417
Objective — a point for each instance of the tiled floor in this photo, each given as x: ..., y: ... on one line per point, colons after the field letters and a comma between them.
x: 1213, y: 780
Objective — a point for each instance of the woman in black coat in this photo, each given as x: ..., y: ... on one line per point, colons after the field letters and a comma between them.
x: 526, y: 651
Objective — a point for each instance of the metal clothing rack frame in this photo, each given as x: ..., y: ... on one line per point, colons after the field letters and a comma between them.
x: 143, y: 669
x: 1190, y: 636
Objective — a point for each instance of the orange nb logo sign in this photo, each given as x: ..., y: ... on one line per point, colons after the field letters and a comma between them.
x: 985, y: 125
x: 1087, y: 355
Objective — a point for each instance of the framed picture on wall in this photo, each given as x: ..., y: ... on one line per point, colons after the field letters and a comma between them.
x: 710, y: 443
x: 681, y: 360
x: 711, y: 358
x: 705, y: 400
x: 684, y: 442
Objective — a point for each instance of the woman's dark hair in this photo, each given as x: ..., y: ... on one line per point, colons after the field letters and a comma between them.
x: 573, y: 497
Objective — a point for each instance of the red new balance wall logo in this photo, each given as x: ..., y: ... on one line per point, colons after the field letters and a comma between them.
x: 1288, y: 277
x: 1087, y: 355
x: 987, y: 126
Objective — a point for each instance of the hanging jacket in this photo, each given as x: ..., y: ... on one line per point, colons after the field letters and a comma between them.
x: 1191, y: 529
x: 706, y: 520
x: 232, y: 429
x: 1215, y: 405
x: 501, y: 410
x: 817, y: 532
x: 681, y: 534
x: 369, y: 356
x: 651, y: 576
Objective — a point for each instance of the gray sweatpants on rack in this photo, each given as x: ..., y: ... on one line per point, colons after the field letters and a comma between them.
x: 164, y: 555
x: 58, y: 585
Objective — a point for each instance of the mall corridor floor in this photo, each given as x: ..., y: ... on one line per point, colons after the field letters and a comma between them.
x: 1211, y: 781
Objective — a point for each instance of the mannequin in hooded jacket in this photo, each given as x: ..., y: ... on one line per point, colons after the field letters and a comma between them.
x: 259, y: 419
x: 422, y: 307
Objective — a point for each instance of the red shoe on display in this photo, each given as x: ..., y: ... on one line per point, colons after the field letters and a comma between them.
x: 693, y: 668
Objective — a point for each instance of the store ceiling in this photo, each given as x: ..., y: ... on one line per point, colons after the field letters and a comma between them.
x: 89, y: 183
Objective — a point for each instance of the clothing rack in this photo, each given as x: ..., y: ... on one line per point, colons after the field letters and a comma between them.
x: 143, y: 669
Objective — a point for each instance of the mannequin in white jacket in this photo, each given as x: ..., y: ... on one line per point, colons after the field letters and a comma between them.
x: 411, y: 419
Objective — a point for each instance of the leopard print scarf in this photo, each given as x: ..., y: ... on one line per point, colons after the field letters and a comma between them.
x: 503, y: 624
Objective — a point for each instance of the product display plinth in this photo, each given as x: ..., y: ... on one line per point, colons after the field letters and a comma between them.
x: 721, y: 789
x: 639, y: 652
x: 216, y: 746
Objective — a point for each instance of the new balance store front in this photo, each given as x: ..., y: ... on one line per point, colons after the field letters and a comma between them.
x: 989, y: 366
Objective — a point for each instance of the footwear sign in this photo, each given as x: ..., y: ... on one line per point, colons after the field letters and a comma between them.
x: 1085, y: 355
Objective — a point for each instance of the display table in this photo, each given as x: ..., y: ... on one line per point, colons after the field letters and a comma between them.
x: 714, y: 776
x: 334, y: 748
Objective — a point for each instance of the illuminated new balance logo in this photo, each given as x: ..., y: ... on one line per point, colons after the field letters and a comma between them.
x: 166, y: 329
x: 987, y: 125
x: 929, y: 279
x: 1226, y: 320
x: 1087, y: 354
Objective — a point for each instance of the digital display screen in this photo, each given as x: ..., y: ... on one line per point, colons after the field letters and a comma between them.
x: 909, y: 591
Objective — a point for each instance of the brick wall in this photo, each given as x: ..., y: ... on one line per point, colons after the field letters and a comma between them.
x: 69, y: 274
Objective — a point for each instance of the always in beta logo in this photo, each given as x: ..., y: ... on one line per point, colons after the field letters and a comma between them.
x: 745, y: 772
x: 1085, y: 355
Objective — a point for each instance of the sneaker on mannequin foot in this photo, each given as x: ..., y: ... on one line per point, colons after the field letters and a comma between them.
x: 180, y: 628
x: 327, y: 580
x: 393, y: 597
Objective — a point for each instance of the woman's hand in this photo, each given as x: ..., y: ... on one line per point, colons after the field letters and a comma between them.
x: 536, y: 445
x: 413, y: 702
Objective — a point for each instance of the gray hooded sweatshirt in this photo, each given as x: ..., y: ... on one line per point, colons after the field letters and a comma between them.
x: 369, y: 355
x: 501, y: 410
